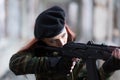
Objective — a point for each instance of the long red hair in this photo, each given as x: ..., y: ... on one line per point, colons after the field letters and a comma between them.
x: 71, y: 34
x: 71, y: 37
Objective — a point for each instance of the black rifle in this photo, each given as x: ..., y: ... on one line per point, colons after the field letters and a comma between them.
x: 89, y: 52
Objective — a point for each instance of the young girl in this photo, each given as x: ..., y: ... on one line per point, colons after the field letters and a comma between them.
x: 51, y: 30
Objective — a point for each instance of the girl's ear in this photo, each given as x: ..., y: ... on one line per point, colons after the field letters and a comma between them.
x: 71, y: 34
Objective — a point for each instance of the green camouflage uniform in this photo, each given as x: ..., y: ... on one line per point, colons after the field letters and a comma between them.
x: 48, y: 68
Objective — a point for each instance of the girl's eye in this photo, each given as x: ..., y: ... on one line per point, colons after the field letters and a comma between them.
x: 52, y: 41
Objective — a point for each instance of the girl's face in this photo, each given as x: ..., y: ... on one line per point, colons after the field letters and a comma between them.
x: 57, y: 41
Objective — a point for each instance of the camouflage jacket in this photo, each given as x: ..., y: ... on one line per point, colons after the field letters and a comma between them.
x: 30, y: 61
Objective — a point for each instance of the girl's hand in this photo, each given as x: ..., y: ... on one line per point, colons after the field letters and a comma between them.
x: 113, y: 63
x: 116, y: 53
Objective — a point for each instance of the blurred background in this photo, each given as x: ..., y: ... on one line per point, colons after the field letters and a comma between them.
x: 97, y: 20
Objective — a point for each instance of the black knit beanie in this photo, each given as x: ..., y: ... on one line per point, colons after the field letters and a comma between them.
x: 49, y: 23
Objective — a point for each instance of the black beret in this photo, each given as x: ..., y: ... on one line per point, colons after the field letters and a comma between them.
x: 49, y: 23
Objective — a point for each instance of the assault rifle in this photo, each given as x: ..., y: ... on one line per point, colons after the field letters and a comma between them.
x: 89, y: 52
